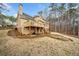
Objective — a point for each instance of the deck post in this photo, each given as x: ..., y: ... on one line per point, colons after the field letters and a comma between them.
x: 39, y: 30
x: 36, y: 30
x: 29, y: 30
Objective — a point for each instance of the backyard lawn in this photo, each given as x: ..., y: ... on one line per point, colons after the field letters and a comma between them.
x: 55, y: 44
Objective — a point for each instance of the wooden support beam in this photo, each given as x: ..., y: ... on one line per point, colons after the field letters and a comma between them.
x: 29, y: 30
x: 36, y: 30
x: 42, y: 30
x: 39, y: 31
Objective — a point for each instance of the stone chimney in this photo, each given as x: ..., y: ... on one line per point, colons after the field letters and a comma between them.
x: 20, y: 11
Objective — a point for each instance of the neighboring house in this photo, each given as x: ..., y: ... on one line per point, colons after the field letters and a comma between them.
x: 7, y: 22
x: 4, y: 21
x: 0, y: 25
x: 31, y: 25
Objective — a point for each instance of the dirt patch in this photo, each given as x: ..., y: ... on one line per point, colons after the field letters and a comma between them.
x: 59, y: 37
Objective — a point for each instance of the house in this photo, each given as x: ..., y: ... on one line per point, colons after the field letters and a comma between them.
x: 29, y: 25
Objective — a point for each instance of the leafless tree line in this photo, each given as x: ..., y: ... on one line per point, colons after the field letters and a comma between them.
x: 64, y: 18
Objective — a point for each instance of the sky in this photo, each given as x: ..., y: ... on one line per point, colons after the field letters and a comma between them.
x: 28, y: 8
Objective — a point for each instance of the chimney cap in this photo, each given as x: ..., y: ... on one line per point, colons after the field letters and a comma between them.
x: 20, y: 4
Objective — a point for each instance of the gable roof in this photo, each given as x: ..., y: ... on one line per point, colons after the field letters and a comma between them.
x: 25, y: 16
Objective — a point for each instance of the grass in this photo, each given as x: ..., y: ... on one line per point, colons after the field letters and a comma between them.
x: 54, y: 44
x: 67, y: 52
